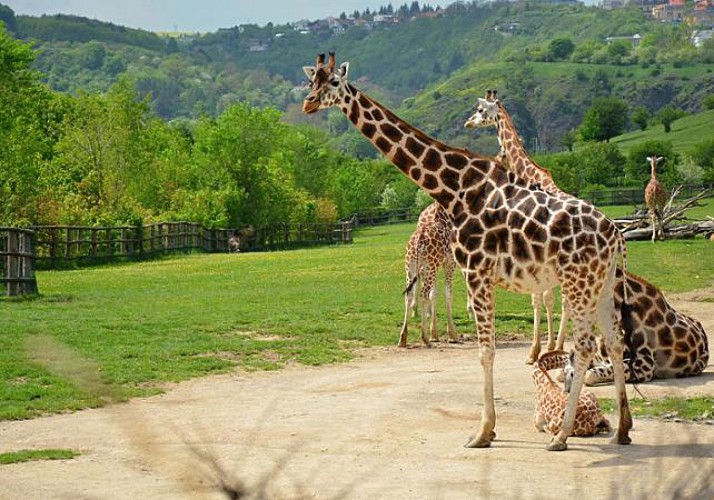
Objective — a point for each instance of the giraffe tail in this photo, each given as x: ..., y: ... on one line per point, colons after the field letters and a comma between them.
x: 627, y: 322
x: 411, y: 284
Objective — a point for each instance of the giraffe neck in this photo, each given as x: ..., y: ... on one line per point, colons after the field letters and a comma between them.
x: 518, y: 159
x: 430, y: 164
x: 653, y: 170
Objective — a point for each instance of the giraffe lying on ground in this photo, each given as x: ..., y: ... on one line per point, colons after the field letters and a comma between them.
x: 667, y: 343
x: 428, y: 249
x: 490, y: 112
x: 655, y: 198
x: 505, y: 233
x: 551, y: 401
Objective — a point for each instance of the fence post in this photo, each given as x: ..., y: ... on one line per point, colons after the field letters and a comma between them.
x: 19, y: 261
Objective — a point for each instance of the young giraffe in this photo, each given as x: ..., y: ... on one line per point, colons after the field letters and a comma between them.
x: 666, y: 343
x: 551, y: 401
x: 517, y: 160
x: 428, y: 249
x: 655, y: 197
x: 504, y: 233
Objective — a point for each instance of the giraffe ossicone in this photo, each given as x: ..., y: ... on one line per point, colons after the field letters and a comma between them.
x: 505, y: 233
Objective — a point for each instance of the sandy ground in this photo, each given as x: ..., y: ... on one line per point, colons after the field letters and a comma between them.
x: 391, y: 424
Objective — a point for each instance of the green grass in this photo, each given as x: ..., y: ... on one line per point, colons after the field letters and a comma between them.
x: 115, y: 332
x: 686, y: 133
x: 694, y: 409
x: 15, y: 457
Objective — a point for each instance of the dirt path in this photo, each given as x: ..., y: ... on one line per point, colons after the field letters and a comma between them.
x: 389, y: 425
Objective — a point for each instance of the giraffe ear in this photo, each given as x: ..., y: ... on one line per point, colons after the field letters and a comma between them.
x: 309, y: 71
x: 343, y: 69
x: 481, y: 101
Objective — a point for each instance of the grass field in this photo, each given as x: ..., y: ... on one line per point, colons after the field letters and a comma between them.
x: 122, y: 331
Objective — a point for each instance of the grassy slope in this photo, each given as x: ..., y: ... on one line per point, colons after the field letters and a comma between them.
x: 139, y: 326
x: 686, y: 132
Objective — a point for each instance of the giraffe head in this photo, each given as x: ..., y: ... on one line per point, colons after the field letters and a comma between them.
x: 486, y: 112
x: 327, y: 84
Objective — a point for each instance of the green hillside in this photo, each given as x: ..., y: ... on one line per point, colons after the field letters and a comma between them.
x: 686, y: 133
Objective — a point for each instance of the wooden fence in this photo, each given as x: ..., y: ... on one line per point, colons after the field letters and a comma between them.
x: 17, y: 261
x: 636, y: 196
x: 66, y: 246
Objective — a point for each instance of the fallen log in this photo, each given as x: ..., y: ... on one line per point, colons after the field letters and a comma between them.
x: 682, y: 231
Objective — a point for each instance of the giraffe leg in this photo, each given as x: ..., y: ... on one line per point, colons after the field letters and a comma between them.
x: 428, y: 313
x: 449, y: 278
x: 563, y: 326
x: 533, y: 354
x: 549, y: 302
x: 610, y: 328
x: 481, y: 299
x: 409, y: 304
x: 654, y: 227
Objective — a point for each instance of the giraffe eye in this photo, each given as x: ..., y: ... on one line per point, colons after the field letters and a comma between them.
x: 334, y: 82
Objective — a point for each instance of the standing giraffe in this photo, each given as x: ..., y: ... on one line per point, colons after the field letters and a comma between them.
x: 429, y: 249
x: 655, y: 197
x: 665, y: 342
x: 490, y: 113
x: 505, y: 232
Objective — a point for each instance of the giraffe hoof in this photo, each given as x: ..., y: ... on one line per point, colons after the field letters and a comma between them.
x: 480, y: 441
x: 530, y: 361
x: 621, y: 439
x: 556, y: 445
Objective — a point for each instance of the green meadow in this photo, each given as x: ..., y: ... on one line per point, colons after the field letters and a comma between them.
x: 115, y: 332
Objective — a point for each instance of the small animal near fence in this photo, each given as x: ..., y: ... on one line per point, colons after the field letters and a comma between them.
x: 65, y: 246
x: 17, y: 261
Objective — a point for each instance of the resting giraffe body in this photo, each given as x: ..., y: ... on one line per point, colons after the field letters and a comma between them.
x: 491, y: 113
x: 655, y: 198
x: 551, y: 400
x: 505, y: 233
x: 429, y: 249
x: 666, y: 342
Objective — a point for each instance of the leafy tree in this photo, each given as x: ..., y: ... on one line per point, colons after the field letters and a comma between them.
x: 703, y: 154
x: 708, y: 102
x: 560, y: 49
x: 606, y: 118
x: 668, y: 115
x: 569, y: 139
x: 7, y: 16
x: 641, y: 117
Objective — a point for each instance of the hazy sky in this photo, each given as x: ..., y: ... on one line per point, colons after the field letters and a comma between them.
x: 201, y: 15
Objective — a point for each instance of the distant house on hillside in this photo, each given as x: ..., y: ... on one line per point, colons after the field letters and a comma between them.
x: 672, y: 11
x: 699, y: 37
x: 634, y: 39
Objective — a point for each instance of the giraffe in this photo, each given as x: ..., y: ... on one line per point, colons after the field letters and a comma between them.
x: 551, y: 401
x: 505, y: 233
x: 490, y: 113
x: 428, y: 249
x: 655, y: 198
x: 666, y: 343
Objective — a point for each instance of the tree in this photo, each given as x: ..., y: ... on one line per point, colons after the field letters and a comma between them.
x: 708, y: 102
x: 560, y: 49
x: 606, y: 118
x: 641, y: 117
x: 668, y: 115
x: 569, y: 139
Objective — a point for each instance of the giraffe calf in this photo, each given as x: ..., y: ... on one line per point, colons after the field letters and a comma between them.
x: 551, y: 401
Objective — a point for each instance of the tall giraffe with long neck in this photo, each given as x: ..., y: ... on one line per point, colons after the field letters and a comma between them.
x: 655, y: 197
x: 490, y: 113
x: 504, y: 233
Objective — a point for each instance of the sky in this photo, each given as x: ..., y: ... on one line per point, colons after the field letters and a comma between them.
x: 202, y: 15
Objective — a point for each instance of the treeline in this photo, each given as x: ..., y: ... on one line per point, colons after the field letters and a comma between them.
x: 107, y: 159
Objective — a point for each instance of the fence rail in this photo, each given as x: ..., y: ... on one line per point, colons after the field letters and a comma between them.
x: 58, y: 246
x: 17, y: 261
x: 636, y: 196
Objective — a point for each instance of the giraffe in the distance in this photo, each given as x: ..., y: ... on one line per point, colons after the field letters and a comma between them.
x: 505, y: 232
x: 655, y: 198
x: 551, y: 401
x: 490, y: 113
x: 429, y: 249
x: 666, y: 342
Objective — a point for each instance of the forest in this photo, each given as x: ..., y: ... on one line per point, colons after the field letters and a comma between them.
x: 102, y: 124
